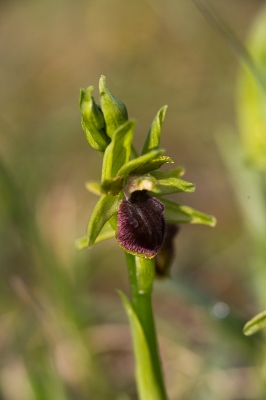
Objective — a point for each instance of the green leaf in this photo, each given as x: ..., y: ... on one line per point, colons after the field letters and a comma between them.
x: 114, y: 110
x: 148, y: 386
x: 102, y: 212
x: 118, y: 151
x: 152, y: 141
x: 140, y: 161
x: 177, y: 213
x: 167, y: 183
x: 92, y: 121
x: 255, y: 324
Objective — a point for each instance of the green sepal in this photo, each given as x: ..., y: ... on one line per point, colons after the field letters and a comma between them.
x: 118, y: 151
x: 152, y: 141
x: 168, y: 184
x: 82, y: 243
x: 177, y: 172
x: 102, y: 212
x: 113, y: 185
x: 94, y: 187
x: 140, y: 161
x: 92, y: 121
x: 179, y: 214
x: 152, y: 164
x: 114, y: 110
x: 255, y: 324
x: 148, y: 386
x: 107, y: 232
x: 113, y: 222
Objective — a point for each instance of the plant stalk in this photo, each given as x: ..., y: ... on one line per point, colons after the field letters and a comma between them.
x: 141, y: 277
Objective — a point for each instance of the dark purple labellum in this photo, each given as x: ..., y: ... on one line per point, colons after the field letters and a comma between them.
x: 141, y: 224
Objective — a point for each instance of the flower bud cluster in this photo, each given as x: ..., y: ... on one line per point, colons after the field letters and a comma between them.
x: 132, y: 206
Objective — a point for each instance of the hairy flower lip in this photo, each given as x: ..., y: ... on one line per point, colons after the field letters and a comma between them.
x: 141, y: 224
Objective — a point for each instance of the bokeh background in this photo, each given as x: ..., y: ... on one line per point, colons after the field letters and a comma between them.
x: 63, y: 332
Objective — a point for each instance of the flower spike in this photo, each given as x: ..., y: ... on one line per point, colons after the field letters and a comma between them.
x: 132, y: 190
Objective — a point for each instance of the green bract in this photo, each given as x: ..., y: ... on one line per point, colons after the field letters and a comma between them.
x: 109, y: 131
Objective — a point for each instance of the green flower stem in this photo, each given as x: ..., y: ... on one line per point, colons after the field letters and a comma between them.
x: 141, y: 276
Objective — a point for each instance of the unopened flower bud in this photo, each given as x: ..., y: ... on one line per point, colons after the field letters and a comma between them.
x: 93, y: 121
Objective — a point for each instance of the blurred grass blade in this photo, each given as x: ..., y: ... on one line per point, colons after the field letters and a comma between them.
x: 244, y: 180
x: 177, y: 213
x: 251, y: 98
x: 102, y: 212
x: 213, y: 17
x: 148, y: 386
x: 114, y: 110
x: 255, y: 324
x: 140, y: 161
x: 118, y: 151
x: 152, y: 141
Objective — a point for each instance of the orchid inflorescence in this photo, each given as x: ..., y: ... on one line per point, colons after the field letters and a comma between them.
x: 132, y: 205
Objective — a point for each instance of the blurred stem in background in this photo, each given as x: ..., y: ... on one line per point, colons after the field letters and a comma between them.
x: 246, y: 161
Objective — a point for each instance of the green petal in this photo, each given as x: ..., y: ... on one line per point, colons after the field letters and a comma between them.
x: 107, y: 232
x: 140, y: 161
x: 153, y: 164
x: 114, y: 110
x: 94, y: 187
x: 148, y: 386
x: 255, y: 324
x: 152, y: 141
x: 102, y: 212
x: 178, y: 171
x: 92, y: 121
x: 168, y: 184
x: 177, y: 213
x: 118, y: 151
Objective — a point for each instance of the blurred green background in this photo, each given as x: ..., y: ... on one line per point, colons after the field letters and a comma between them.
x: 63, y: 331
